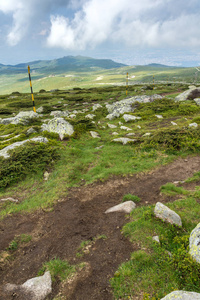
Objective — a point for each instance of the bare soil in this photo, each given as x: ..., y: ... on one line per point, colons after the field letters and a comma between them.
x: 81, y: 217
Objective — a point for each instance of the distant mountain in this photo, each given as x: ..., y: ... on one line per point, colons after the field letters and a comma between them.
x: 61, y: 65
x: 159, y: 66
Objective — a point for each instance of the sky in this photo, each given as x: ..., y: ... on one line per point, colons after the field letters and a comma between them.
x: 134, y: 32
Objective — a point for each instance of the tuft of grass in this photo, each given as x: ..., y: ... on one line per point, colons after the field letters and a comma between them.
x: 58, y: 268
x: 18, y: 240
x: 130, y: 197
x: 171, y: 190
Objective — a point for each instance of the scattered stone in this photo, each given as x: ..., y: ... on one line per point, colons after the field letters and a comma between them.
x: 173, y: 123
x: 195, y: 125
x: 128, y: 118
x: 14, y: 137
x: 75, y: 112
x: 124, y: 141
x: 9, y: 199
x: 159, y: 116
x: 30, y: 131
x: 194, y: 243
x: 112, y: 116
x: 111, y: 125
x: 5, y: 136
x: 46, y: 175
x: 120, y: 123
x: 115, y: 133
x: 60, y: 126
x: 37, y: 288
x: 156, y: 238
x: 182, y: 295
x: 94, y: 134
x: 71, y: 116
x: 90, y: 116
x: 59, y: 113
x: 40, y: 109
x: 100, y: 147
x: 126, y: 207
x: 130, y: 134
x: 125, y: 128
x: 4, y: 151
x: 96, y: 106
x: 166, y: 214
x: 138, y: 126
x: 147, y: 134
x: 21, y: 118
x: 197, y: 100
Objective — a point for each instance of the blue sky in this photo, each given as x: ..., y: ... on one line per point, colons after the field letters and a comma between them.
x: 128, y: 31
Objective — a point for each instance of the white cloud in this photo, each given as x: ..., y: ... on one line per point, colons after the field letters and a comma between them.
x: 145, y: 23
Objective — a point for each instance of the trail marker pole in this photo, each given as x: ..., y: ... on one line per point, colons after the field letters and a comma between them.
x: 127, y: 84
x: 153, y: 82
x: 31, y: 89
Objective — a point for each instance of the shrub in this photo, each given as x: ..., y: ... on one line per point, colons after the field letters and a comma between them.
x: 24, y: 160
x: 130, y: 197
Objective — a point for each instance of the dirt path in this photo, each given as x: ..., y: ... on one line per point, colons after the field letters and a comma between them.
x: 80, y: 217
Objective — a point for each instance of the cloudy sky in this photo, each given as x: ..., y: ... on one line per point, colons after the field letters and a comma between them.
x: 129, y: 31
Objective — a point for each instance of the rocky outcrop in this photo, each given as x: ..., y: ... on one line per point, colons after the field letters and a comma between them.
x: 128, y: 118
x: 60, y: 126
x: 166, y: 214
x: 4, y: 151
x: 22, y: 118
x: 192, y: 93
x: 94, y: 134
x: 182, y: 295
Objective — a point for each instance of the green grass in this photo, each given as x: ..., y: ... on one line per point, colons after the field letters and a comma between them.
x: 151, y: 271
x: 18, y: 240
x: 130, y: 197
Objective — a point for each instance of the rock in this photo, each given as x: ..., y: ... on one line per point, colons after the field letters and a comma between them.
x: 37, y: 288
x: 100, y: 147
x: 112, y: 116
x: 156, y: 238
x: 138, y: 126
x: 126, y: 207
x: 59, y: 113
x: 9, y: 199
x: 4, y: 151
x: 96, y: 106
x: 173, y: 123
x: 126, y: 105
x: 40, y: 109
x: 192, y: 93
x: 71, y: 116
x: 182, y: 295
x: 111, y: 125
x: 195, y: 125
x: 124, y: 141
x: 128, y: 118
x: 166, y: 214
x: 94, y: 134
x: 194, y: 243
x: 46, y: 175
x: 14, y: 137
x: 146, y: 134
x: 130, y: 134
x: 115, y: 133
x: 90, y: 116
x: 159, y: 116
x: 60, y: 126
x: 30, y: 131
x: 125, y: 128
x: 197, y: 100
x: 21, y: 118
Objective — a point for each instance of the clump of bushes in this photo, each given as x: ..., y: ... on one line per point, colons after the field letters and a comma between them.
x: 25, y: 160
x: 130, y: 197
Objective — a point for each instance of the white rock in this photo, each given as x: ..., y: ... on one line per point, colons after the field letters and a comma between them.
x: 125, y: 128
x: 94, y: 134
x: 166, y: 214
x: 59, y: 113
x: 71, y: 116
x: 128, y: 118
x: 197, y: 100
x: 4, y: 151
x: 130, y: 134
x: 60, y: 126
x: 9, y: 199
x: 96, y: 106
x: 156, y: 238
x: 38, y: 288
x: 194, y: 243
x: 159, y: 116
x: 126, y: 207
x: 115, y: 133
x: 173, y: 123
x: 187, y: 94
x: 124, y: 141
x: 195, y: 125
x: 147, y: 134
x: 138, y: 126
x: 182, y: 295
x: 111, y: 125
x: 90, y: 116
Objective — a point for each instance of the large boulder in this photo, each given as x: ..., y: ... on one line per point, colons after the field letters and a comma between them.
x: 182, y: 295
x: 126, y: 105
x: 192, y: 93
x: 60, y: 126
x: 194, y: 243
x: 37, y: 288
x: 4, y: 151
x: 166, y: 214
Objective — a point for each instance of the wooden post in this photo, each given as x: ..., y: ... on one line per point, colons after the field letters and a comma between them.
x: 31, y: 89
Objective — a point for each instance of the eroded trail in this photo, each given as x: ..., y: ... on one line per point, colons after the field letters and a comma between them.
x: 81, y: 217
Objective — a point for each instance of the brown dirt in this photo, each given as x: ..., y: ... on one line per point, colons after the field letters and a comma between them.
x: 80, y: 217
